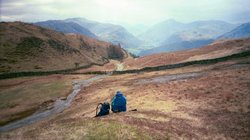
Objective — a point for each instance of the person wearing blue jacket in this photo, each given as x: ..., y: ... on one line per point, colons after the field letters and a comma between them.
x: 119, y: 102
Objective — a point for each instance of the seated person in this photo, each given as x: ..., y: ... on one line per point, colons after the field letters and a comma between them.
x: 119, y: 103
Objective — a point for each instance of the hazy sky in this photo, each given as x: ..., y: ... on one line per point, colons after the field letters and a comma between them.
x: 146, y: 12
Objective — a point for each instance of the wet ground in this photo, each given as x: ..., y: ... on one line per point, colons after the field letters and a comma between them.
x: 59, y: 106
x: 197, y: 102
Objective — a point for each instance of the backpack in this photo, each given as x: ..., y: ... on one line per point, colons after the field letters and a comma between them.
x: 119, y: 103
x: 103, y: 110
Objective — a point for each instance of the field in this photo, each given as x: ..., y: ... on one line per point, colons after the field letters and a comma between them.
x: 194, y: 102
x: 21, y: 97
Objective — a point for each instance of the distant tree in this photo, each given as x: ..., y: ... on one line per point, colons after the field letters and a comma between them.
x: 115, y: 52
x: 134, y: 55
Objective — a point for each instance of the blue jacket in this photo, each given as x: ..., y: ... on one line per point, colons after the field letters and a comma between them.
x: 119, y: 102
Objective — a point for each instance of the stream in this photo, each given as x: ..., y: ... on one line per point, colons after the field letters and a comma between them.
x: 59, y: 106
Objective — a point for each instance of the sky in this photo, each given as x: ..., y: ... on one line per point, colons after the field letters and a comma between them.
x: 126, y: 12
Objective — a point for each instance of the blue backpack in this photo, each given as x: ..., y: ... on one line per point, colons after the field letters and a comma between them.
x: 119, y: 103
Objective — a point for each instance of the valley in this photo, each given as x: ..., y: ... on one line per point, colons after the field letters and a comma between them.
x: 199, y: 101
x: 194, y: 102
x: 167, y: 36
x: 54, y: 73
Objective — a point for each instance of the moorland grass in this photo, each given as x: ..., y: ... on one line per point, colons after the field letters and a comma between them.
x: 25, y: 99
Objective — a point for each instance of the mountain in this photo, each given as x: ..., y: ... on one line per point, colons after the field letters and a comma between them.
x: 109, y: 32
x: 136, y: 29
x: 176, y: 46
x: 161, y: 31
x: 171, y: 35
x: 28, y: 47
x: 210, y: 28
x: 239, y: 32
x: 66, y: 27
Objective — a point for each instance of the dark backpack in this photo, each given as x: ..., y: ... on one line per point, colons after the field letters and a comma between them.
x: 102, y: 109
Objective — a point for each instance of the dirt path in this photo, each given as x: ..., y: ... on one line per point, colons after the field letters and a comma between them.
x: 168, y: 78
x: 119, y: 67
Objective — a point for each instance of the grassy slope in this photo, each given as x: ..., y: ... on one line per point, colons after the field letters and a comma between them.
x: 87, y: 129
x: 26, y: 47
x: 217, y: 49
x: 21, y: 97
x: 214, y: 105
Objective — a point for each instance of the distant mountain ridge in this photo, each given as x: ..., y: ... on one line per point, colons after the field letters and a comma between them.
x: 172, y: 35
x: 241, y: 31
x: 169, y: 35
x: 177, y: 46
x: 162, y: 31
x: 109, y: 32
x: 66, y: 27
x: 115, y: 34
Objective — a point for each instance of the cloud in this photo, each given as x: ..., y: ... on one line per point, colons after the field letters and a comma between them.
x: 125, y: 11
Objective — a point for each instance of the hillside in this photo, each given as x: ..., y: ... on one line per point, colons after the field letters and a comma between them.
x: 211, y: 99
x: 27, y: 47
x: 66, y: 27
x: 194, y: 102
x: 217, y: 49
x: 239, y: 32
x: 109, y: 32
